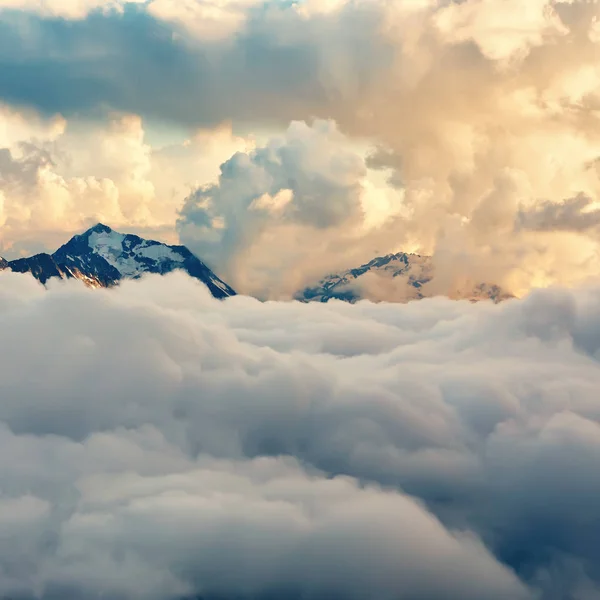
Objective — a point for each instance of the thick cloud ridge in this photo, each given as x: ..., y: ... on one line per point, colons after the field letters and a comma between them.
x: 159, y: 444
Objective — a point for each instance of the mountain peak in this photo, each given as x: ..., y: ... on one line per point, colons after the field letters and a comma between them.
x: 102, y: 257
x: 400, y: 277
x: 99, y: 228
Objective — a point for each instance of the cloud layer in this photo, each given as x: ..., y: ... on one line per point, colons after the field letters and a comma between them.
x: 175, y: 446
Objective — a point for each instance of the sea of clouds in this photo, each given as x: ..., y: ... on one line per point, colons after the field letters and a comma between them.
x: 158, y: 444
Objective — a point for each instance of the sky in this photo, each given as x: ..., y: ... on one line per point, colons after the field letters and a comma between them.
x: 159, y: 444
x: 333, y: 131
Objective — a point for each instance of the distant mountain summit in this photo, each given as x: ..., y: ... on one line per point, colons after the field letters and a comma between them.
x: 101, y: 257
x: 396, y: 277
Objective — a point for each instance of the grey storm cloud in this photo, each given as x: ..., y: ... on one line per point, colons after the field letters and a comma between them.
x: 131, y: 61
x: 575, y: 214
x: 159, y: 444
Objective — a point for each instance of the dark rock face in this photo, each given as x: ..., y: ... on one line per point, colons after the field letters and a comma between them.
x: 101, y: 257
x: 41, y: 266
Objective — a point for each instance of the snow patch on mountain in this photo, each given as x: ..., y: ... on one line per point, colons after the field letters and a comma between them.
x: 123, y: 252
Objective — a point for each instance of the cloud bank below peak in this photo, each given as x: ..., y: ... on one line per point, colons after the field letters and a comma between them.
x: 423, y: 451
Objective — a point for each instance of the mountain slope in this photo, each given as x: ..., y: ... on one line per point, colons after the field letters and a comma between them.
x: 395, y: 277
x: 41, y: 266
x: 101, y: 257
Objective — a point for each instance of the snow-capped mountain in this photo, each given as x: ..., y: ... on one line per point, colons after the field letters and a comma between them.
x: 396, y: 277
x: 101, y: 257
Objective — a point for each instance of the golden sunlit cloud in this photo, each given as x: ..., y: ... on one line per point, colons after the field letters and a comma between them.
x: 424, y: 126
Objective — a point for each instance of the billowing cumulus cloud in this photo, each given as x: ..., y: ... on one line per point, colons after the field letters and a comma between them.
x: 175, y: 446
x: 205, y: 19
x: 480, y: 110
x: 305, y: 194
x: 503, y: 31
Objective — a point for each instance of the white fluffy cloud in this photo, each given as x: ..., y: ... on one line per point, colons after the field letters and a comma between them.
x: 58, y: 177
x: 247, y: 449
x: 67, y: 9
x: 287, y: 211
x: 206, y: 19
x: 504, y: 30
